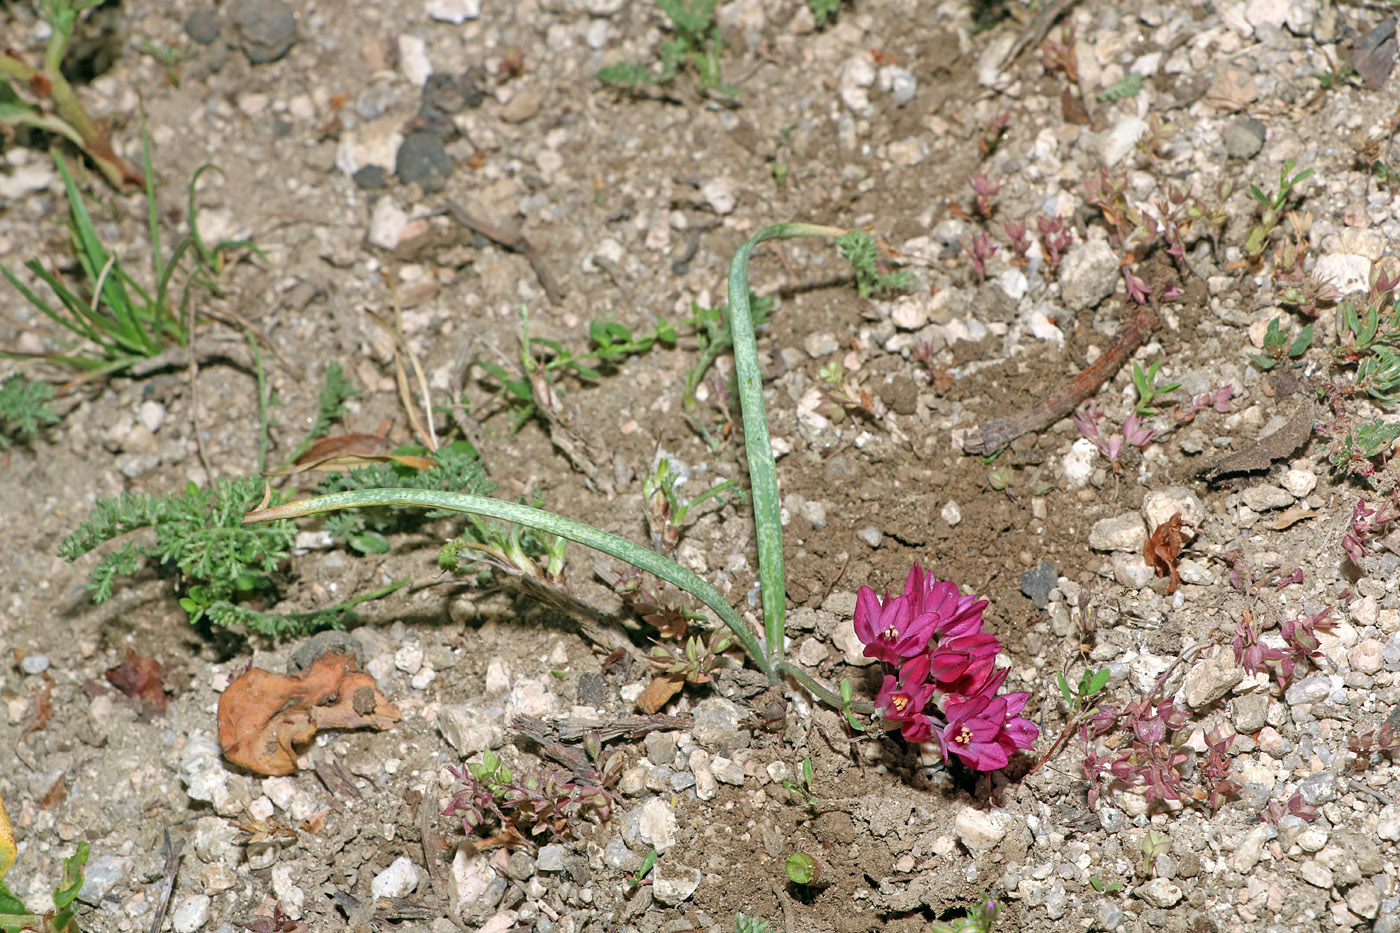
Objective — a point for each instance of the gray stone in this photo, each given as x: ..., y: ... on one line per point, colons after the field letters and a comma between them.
x: 370, y: 177
x: 727, y: 771
x: 1319, y: 788
x: 1161, y: 504
x: 980, y: 830
x: 1160, y: 892
x: 717, y: 726
x: 470, y: 728
x: 266, y: 28
x: 1088, y: 274
x: 1038, y: 581
x: 1265, y: 496
x: 423, y: 160
x: 551, y: 857
x: 1249, y: 712
x: 104, y: 872
x: 1244, y: 137
x: 1132, y: 571
x: 203, y: 26
x: 34, y: 663
x: 1125, y: 533
x: 661, y: 747
x: 871, y: 536
x: 1212, y: 678
x: 521, y: 866
x: 651, y: 825
x: 398, y: 880
x: 191, y: 912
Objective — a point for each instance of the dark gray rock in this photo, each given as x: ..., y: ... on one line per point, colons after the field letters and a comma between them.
x: 266, y: 29
x: 1244, y: 137
x: 370, y: 177
x: 423, y: 159
x: 444, y: 93
x: 331, y: 642
x: 1037, y: 583
x: 203, y: 26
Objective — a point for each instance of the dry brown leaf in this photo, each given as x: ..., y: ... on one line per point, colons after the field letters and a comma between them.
x: 348, y: 451
x: 1163, y: 548
x: 1290, y: 517
x: 659, y: 692
x: 139, y: 677
x: 263, y: 716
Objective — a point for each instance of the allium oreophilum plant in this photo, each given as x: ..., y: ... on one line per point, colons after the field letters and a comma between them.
x: 941, y: 679
x: 972, y: 718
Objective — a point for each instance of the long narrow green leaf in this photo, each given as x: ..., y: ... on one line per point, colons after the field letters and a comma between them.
x: 763, y: 473
x: 78, y: 314
x: 538, y: 520
x: 93, y: 256
x: 44, y: 306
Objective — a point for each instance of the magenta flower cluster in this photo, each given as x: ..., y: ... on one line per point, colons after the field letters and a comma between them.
x: 931, y: 642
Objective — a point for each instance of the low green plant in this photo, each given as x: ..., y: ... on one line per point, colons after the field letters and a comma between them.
x: 222, y: 562
x: 68, y: 118
x: 665, y: 508
x: 695, y: 41
x: 1102, y: 887
x: 1281, y: 344
x: 24, y: 409
x: 766, y: 654
x: 1147, y: 389
x: 712, y: 333
x: 112, y: 322
x: 1272, y: 209
x: 746, y: 924
x: 1364, y: 442
x: 803, y: 791
x: 860, y: 250
x: 1090, y: 685
x: 823, y: 11
x: 15, y: 917
x: 1122, y: 89
x: 639, y: 876
x: 1368, y: 338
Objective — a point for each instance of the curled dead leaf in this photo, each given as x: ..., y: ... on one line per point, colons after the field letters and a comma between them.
x: 263, y: 716
x: 348, y: 451
x: 141, y: 679
x: 1163, y: 548
x: 1291, y: 517
x: 659, y: 692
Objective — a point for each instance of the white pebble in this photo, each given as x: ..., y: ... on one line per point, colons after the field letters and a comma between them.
x: 398, y: 880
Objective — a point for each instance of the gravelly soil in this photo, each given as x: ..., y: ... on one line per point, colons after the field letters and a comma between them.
x: 634, y: 204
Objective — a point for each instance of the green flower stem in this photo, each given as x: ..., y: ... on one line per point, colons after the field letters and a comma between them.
x: 538, y: 520
x: 821, y: 692
x: 763, y: 473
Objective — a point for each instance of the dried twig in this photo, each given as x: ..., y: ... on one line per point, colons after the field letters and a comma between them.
x: 994, y: 435
x: 513, y: 240
x: 172, y: 863
x: 1038, y: 28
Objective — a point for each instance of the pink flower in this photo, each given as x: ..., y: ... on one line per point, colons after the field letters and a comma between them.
x: 902, y: 701
x: 888, y: 628
x: 953, y: 613
x: 984, y: 732
x: 963, y: 655
x: 1136, y: 432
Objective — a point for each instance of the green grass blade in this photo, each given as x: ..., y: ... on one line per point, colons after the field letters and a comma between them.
x: 78, y: 317
x: 763, y: 473
x: 537, y: 520
x: 36, y: 301
x: 152, y: 211
x: 93, y: 256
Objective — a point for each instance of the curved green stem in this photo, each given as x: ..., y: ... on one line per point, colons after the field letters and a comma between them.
x: 763, y: 473
x: 819, y: 690
x: 539, y: 520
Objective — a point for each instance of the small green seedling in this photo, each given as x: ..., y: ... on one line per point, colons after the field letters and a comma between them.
x: 1146, y: 385
x: 1281, y: 344
x: 24, y: 409
x: 860, y: 250
x: 1090, y: 685
x: 803, y: 791
x: 802, y: 869
x: 980, y: 918
x: 1365, y: 441
x: 823, y: 11
x: 666, y: 511
x: 712, y: 332
x: 1258, y: 239
x: 696, y: 42
x: 15, y: 917
x: 1112, y: 887
x: 640, y: 876
x: 1153, y: 845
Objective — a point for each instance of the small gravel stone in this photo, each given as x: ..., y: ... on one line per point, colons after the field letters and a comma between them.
x: 1264, y: 497
x: 370, y: 177
x: 717, y: 725
x: 1312, y: 689
x: 719, y: 194
x: 267, y: 29
x: 705, y: 784
x: 1121, y: 139
x: 871, y: 535
x: 423, y: 160
x: 470, y: 728
x: 1348, y: 273
x: 1244, y: 137
x: 811, y: 652
x: 1211, y: 679
x: 203, y: 26
x: 1125, y: 533
x: 820, y: 344
x: 1315, y: 873
x: 455, y: 12
x: 386, y: 223
x: 1088, y: 274
x: 653, y: 824
x: 951, y: 513
x: 413, y: 59
x: 523, y: 105
x: 1160, y: 892
x: 551, y: 857
x: 34, y: 663
x: 1311, y: 839
x: 1131, y: 571
x: 1319, y: 788
x: 398, y: 880
x: 1249, y: 712
x: 899, y: 83
x: 1367, y: 656
x: 981, y: 830
x: 673, y: 884
x: 409, y: 658
x: 661, y: 747
x: 1250, y: 849
x: 727, y: 771
x: 1364, y: 900
x: 1298, y: 483
x: 1159, y: 505
x: 191, y: 913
